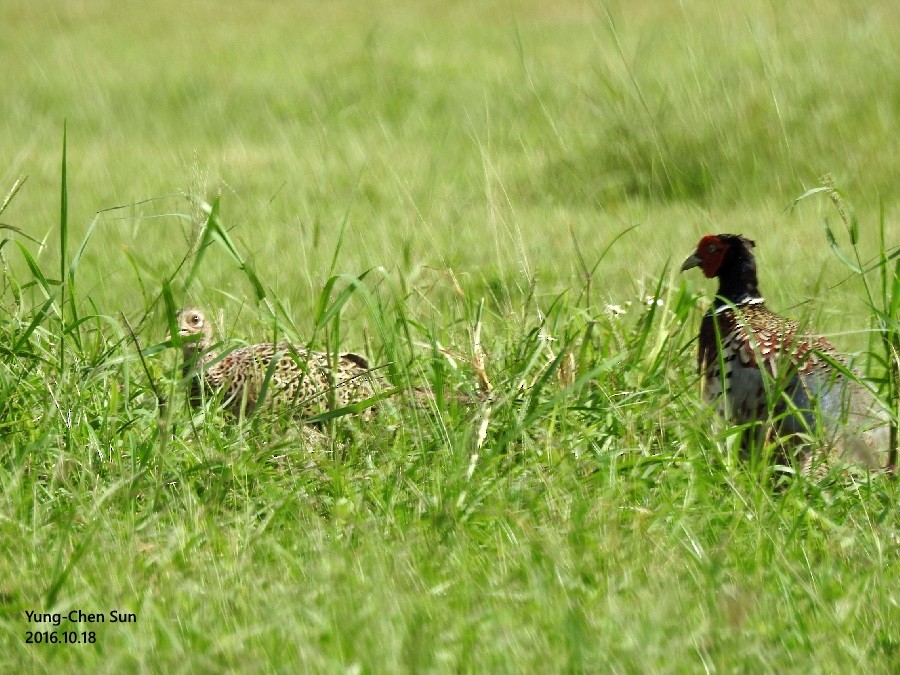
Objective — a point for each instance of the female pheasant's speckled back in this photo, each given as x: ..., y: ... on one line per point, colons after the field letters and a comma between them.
x: 303, y: 381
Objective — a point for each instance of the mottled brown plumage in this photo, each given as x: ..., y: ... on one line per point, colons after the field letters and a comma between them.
x: 803, y: 392
x: 306, y: 382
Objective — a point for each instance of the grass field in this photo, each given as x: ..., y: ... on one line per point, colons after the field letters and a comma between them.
x: 396, y: 177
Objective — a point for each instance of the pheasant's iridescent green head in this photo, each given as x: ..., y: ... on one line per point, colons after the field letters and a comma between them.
x: 192, y: 322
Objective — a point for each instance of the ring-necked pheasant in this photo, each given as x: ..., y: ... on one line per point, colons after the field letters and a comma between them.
x: 307, y: 382
x: 803, y: 392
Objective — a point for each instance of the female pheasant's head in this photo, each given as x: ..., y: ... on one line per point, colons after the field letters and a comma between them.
x: 192, y: 322
x: 730, y: 258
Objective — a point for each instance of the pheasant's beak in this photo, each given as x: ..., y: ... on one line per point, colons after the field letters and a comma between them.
x: 693, y: 261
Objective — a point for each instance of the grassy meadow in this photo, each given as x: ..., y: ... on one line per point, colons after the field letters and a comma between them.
x: 467, y: 192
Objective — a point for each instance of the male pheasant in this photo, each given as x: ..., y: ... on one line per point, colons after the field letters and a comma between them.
x: 802, y: 392
x: 305, y: 381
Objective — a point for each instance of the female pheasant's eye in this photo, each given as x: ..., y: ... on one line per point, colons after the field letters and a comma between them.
x: 195, y: 320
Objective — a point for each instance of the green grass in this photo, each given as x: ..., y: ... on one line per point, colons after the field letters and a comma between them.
x: 394, y: 177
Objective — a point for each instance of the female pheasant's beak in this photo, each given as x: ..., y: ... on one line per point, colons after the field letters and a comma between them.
x: 692, y: 261
x: 182, y: 332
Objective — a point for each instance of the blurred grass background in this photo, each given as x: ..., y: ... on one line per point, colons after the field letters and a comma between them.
x: 485, y: 137
x: 603, y: 524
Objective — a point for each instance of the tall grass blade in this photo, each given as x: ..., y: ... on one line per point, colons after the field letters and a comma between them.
x: 63, y: 249
x: 61, y: 572
x: 213, y: 231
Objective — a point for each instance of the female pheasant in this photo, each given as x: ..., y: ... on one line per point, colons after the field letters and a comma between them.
x: 802, y: 391
x: 308, y: 382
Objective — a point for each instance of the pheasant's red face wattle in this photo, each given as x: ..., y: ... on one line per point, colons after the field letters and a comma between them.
x: 711, y: 251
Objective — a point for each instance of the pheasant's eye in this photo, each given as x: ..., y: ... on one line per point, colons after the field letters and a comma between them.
x: 195, y: 320
x: 711, y: 248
